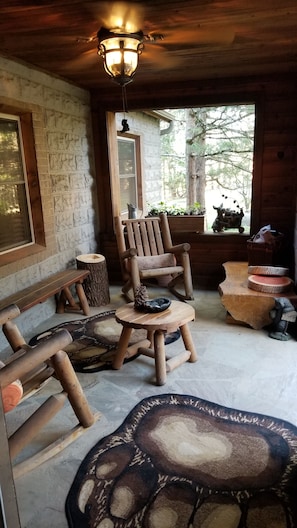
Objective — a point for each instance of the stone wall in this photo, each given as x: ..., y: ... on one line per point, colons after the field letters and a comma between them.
x: 64, y: 150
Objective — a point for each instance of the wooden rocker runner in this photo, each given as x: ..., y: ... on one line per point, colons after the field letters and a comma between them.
x: 25, y: 366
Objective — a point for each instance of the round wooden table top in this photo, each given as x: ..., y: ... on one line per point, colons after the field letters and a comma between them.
x: 178, y: 314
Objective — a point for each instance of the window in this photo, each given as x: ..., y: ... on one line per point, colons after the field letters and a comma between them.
x: 21, y: 224
x: 15, y: 213
x: 208, y: 158
x: 130, y: 184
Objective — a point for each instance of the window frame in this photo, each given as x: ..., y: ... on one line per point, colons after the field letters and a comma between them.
x: 34, y: 195
x: 104, y: 123
x: 22, y: 183
x: 138, y: 176
x: 256, y: 140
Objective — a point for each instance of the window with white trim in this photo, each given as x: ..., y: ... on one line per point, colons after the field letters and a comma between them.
x: 130, y: 182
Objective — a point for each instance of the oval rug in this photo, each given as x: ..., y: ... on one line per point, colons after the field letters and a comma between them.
x: 95, y: 340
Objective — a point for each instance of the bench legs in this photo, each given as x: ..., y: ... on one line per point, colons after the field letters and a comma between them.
x: 82, y: 298
x: 65, y: 301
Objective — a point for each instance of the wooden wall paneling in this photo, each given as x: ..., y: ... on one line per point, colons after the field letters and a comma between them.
x: 104, y: 190
x: 113, y: 158
x: 110, y: 251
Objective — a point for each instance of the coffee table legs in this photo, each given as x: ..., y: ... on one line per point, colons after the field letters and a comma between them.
x: 156, y: 341
x: 160, y: 357
x: 158, y: 353
x: 188, y: 342
x: 122, y: 348
x: 161, y: 365
x: 125, y: 350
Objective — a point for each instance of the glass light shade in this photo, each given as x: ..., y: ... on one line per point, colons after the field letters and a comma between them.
x: 120, y: 55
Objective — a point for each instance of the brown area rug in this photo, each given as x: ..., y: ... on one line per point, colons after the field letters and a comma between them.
x: 178, y: 461
x: 95, y: 340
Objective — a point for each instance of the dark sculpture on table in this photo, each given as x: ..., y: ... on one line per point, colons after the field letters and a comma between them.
x: 228, y: 218
x: 143, y: 304
x: 282, y: 314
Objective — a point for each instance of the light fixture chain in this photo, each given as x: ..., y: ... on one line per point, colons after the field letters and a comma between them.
x: 124, y: 96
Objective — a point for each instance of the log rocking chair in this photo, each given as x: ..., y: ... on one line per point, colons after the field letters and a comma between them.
x: 23, y: 374
x: 146, y: 253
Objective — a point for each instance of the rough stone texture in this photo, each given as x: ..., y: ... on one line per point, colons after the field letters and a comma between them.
x: 64, y: 151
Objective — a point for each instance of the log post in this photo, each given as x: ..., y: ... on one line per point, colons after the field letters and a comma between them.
x: 13, y: 335
x: 28, y: 430
x: 72, y: 386
x: 33, y: 357
x: 160, y: 357
x: 9, y: 312
x: 96, y: 285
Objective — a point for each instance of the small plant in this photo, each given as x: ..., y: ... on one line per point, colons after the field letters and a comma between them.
x: 174, y: 210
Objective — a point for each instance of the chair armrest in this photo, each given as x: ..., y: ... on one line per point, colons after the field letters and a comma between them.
x: 179, y: 248
x: 131, y: 252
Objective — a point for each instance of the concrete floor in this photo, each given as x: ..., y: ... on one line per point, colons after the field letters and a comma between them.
x: 237, y: 367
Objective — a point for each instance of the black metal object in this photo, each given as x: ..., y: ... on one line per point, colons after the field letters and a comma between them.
x: 154, y: 306
x: 227, y: 219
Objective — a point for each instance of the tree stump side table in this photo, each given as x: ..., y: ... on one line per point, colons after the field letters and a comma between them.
x: 96, y: 285
x: 177, y: 316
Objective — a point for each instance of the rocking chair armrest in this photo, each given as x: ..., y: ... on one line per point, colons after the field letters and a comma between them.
x: 179, y: 248
x: 131, y: 252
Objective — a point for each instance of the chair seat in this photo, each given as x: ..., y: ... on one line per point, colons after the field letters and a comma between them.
x: 154, y: 262
x: 158, y: 272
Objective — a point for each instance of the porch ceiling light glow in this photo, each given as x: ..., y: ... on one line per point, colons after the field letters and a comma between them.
x: 120, y: 52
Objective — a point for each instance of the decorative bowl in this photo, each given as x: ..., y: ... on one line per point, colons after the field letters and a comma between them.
x: 155, y: 305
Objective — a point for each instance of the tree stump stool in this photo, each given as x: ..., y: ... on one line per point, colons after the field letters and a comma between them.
x: 96, y: 285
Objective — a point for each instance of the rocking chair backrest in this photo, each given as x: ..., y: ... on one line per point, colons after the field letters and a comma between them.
x: 147, y: 254
x: 144, y: 234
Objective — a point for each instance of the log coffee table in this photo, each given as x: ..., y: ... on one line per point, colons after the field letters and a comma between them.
x: 177, y: 316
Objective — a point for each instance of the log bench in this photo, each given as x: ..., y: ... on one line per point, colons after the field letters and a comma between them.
x: 57, y: 285
x: 244, y: 305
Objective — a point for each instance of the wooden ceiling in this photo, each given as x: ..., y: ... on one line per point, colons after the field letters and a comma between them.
x: 203, y: 39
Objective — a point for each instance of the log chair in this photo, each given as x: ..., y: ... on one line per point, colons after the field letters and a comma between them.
x: 146, y: 252
x: 23, y: 365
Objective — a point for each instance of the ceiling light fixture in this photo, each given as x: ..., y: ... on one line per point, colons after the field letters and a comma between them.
x: 120, y: 51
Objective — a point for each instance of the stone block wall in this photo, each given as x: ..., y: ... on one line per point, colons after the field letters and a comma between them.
x: 64, y: 150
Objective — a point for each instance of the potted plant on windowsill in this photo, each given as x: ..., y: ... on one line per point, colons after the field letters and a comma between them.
x: 181, y: 219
